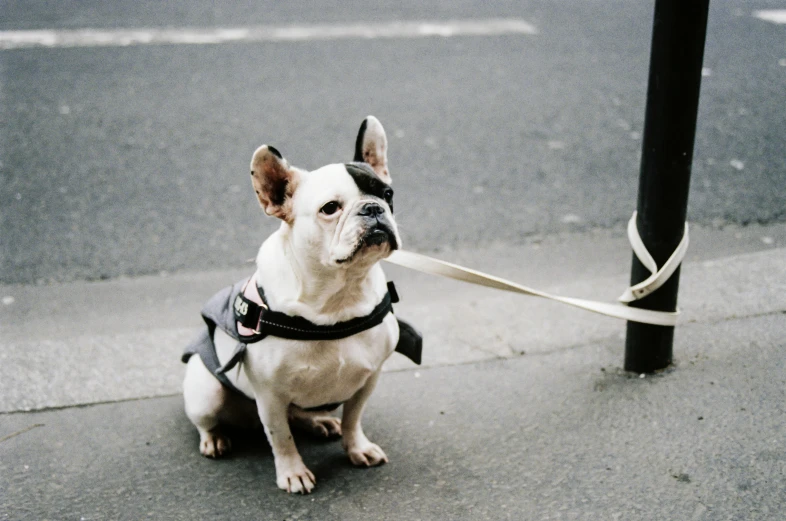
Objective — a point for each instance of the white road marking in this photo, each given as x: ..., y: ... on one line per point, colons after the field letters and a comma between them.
x: 206, y: 36
x: 776, y: 16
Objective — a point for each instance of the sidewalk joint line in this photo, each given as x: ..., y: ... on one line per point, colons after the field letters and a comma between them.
x: 17, y: 433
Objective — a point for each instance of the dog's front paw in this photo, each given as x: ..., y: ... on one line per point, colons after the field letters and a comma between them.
x: 366, y: 454
x: 295, y: 478
x: 213, y: 444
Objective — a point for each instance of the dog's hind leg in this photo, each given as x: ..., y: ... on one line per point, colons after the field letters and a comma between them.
x: 319, y: 423
x: 206, y: 400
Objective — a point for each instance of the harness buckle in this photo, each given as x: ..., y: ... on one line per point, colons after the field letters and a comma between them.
x: 258, y: 330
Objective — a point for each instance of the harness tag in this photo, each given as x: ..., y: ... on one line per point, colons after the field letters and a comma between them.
x: 241, y: 307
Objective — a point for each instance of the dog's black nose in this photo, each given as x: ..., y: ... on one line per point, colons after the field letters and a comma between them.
x: 371, y: 210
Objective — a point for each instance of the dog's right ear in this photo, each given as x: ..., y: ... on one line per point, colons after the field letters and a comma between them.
x: 371, y: 146
x: 274, y: 182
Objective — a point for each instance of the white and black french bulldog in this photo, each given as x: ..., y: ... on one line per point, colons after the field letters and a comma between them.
x: 318, y: 277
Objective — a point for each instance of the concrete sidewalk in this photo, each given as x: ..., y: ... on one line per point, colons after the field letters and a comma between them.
x: 121, y: 339
x: 557, y: 436
x: 520, y: 412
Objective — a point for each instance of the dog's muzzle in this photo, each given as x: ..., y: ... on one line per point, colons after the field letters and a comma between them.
x: 379, y: 229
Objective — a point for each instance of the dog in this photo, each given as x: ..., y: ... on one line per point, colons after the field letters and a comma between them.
x: 318, y: 272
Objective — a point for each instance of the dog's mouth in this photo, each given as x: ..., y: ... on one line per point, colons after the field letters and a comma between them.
x: 377, y: 235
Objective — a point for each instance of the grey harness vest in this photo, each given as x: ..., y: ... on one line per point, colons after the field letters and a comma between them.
x: 229, y: 308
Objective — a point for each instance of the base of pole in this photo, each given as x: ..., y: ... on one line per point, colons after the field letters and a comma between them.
x: 648, y: 348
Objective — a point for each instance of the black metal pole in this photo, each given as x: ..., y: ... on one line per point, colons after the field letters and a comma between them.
x: 678, y: 35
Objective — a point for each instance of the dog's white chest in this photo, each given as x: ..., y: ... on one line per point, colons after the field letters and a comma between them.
x: 313, y: 373
x: 331, y: 374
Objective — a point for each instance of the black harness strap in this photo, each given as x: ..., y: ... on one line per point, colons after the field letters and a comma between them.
x: 228, y: 308
x: 265, y: 322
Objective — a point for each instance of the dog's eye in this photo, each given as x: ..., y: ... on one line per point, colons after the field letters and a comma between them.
x: 388, y: 195
x: 330, y: 208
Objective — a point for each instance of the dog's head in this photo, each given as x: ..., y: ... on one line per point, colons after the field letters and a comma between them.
x: 340, y: 214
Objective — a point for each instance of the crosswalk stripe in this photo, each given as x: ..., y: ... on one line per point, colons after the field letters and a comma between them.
x: 776, y: 16
x: 53, y: 38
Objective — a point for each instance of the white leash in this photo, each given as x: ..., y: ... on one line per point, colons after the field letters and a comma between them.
x: 426, y: 264
x: 659, y: 276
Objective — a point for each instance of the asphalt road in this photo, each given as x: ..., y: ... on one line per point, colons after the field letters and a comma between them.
x: 127, y: 161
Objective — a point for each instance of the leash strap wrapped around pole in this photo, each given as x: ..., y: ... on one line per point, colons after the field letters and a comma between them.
x: 659, y: 276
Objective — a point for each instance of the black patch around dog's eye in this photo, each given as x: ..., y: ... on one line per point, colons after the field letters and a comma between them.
x: 369, y: 182
x: 275, y: 152
x: 359, y: 141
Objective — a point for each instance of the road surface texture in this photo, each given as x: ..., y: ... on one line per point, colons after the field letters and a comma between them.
x: 124, y: 161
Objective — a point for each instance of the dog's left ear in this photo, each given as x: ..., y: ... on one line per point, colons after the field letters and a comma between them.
x: 371, y: 147
x: 274, y: 182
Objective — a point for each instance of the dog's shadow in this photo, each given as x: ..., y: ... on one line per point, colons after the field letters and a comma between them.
x: 252, y: 457
x: 252, y: 442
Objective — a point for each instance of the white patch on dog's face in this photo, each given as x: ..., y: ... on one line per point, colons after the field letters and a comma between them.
x: 337, y: 219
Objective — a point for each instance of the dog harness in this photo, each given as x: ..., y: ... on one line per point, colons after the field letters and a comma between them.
x: 241, y: 311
